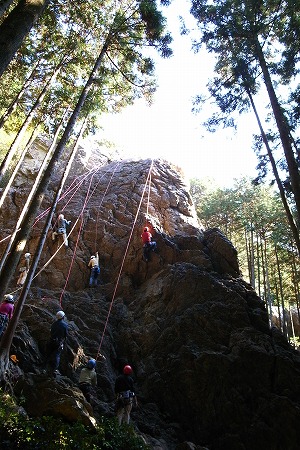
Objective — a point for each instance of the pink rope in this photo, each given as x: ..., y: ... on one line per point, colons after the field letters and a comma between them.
x: 123, y: 261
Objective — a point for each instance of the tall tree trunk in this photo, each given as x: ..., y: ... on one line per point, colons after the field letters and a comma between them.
x: 283, y: 129
x: 11, y: 108
x: 252, y: 261
x: 4, y: 5
x: 247, y: 254
x: 289, y: 215
x: 284, y: 318
x: 14, y: 146
x: 25, y: 228
x: 16, y: 26
x: 267, y: 281
x: 18, y: 165
x: 30, y: 197
x: 258, y: 264
x: 7, y: 338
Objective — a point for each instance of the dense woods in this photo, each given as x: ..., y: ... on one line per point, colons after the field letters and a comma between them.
x: 253, y: 218
x: 256, y: 45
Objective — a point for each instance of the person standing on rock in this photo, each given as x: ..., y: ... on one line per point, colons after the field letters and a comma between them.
x: 6, y: 312
x: 61, y: 229
x: 23, y: 271
x: 125, y: 396
x: 58, y: 337
x: 148, y: 244
x: 95, y: 269
x: 88, y: 379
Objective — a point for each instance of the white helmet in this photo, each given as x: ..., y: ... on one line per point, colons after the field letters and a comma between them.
x: 61, y: 216
x: 9, y: 298
x: 93, y: 256
x: 60, y: 314
x: 27, y: 255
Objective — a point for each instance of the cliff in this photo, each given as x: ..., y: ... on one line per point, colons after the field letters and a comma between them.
x: 209, y: 372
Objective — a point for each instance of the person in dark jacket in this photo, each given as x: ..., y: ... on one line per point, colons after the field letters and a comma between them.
x: 58, y: 337
x: 125, y: 396
x: 62, y: 229
x: 95, y: 269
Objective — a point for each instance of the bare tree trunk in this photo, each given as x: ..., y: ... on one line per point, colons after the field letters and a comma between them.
x: 283, y: 130
x: 16, y: 26
x: 248, y: 254
x: 18, y: 165
x: 289, y: 215
x: 251, y: 252
x: 4, y: 5
x: 14, y: 146
x: 267, y: 281
x: 258, y: 264
x: 284, y: 319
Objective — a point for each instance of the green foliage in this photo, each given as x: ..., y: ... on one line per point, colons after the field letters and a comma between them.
x: 252, y: 217
x: 17, y: 431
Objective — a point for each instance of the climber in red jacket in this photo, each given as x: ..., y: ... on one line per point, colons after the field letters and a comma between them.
x: 148, y: 244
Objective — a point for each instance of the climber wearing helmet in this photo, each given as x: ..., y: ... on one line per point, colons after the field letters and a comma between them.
x: 6, y: 312
x: 148, y: 244
x: 95, y: 269
x: 61, y: 229
x: 23, y: 271
x: 58, y: 337
x: 88, y: 379
x: 125, y: 396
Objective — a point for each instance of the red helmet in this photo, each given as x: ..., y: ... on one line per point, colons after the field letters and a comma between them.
x: 127, y: 370
x: 146, y: 229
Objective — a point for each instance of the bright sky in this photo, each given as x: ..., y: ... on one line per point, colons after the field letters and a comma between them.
x: 168, y: 129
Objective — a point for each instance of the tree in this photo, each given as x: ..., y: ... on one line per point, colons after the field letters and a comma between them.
x: 242, y: 35
x: 16, y: 26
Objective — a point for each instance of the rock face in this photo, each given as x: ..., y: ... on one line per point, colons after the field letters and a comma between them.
x: 209, y: 372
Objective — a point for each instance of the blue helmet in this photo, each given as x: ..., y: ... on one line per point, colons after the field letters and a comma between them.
x: 91, y: 364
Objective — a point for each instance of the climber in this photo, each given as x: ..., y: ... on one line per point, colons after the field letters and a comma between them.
x: 14, y: 370
x: 88, y: 379
x: 58, y: 337
x: 24, y: 270
x: 61, y: 229
x: 95, y: 269
x: 148, y: 244
x: 6, y: 312
x: 124, y: 395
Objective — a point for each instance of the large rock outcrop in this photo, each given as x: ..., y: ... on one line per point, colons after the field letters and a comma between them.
x: 209, y: 371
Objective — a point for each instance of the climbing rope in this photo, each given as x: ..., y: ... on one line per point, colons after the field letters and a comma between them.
x: 98, y: 211
x: 122, y: 264
x: 148, y: 200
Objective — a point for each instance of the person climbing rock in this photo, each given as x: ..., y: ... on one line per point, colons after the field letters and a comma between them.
x: 125, y: 396
x: 61, y: 229
x: 88, y: 379
x: 58, y: 337
x: 6, y: 312
x: 23, y: 271
x: 95, y: 269
x: 148, y: 244
x: 15, y: 373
